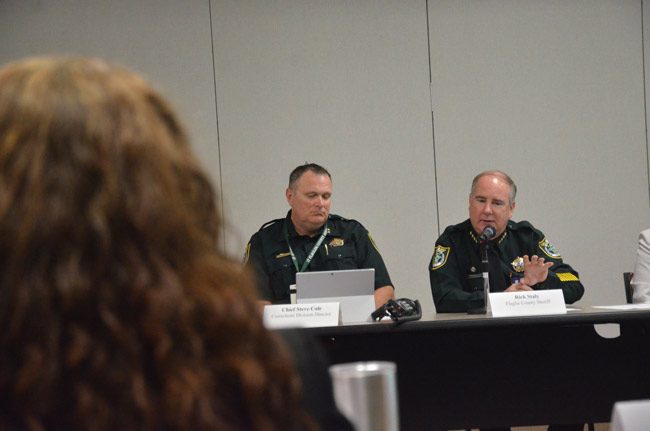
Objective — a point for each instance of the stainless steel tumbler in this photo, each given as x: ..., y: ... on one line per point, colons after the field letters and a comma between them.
x: 366, y: 393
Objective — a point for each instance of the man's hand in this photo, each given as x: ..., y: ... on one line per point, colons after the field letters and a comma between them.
x: 383, y: 294
x: 517, y: 287
x: 535, y: 270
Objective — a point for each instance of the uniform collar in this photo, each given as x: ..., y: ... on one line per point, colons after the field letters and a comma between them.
x: 291, y: 229
x: 498, y: 240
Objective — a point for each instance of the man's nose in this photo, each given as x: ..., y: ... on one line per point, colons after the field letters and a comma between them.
x: 487, y: 208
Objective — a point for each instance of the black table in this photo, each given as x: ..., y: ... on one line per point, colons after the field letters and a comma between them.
x: 461, y: 371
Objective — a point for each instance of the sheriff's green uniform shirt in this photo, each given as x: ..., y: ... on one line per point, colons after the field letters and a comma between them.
x: 455, y: 268
x: 347, y: 245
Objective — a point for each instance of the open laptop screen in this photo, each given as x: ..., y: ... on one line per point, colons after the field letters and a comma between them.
x: 352, y: 288
x: 323, y: 284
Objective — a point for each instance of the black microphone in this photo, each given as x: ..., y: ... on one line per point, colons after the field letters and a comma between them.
x: 488, y: 234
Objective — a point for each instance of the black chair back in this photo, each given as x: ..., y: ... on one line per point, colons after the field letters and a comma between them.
x: 627, y: 278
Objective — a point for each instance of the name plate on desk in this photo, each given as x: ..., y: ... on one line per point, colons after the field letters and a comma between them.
x: 301, y: 315
x: 533, y: 303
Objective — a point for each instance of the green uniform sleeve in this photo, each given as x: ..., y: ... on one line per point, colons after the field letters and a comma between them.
x: 255, y: 261
x: 370, y: 257
x: 445, y: 277
x: 560, y: 275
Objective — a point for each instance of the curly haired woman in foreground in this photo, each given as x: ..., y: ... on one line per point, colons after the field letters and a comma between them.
x: 116, y: 311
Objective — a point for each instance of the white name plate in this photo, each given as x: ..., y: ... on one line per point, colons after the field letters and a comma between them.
x: 301, y: 315
x: 533, y: 303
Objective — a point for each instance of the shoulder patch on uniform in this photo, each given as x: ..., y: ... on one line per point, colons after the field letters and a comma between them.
x: 372, y: 241
x: 549, y: 249
x: 440, y: 256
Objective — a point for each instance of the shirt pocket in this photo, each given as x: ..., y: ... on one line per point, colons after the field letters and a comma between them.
x: 280, y: 276
x: 342, y: 257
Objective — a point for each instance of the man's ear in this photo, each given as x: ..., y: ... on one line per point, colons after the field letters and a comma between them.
x: 288, y: 194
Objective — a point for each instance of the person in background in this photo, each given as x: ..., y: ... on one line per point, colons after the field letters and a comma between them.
x: 116, y: 310
x: 641, y: 279
x: 520, y: 256
x: 309, y: 238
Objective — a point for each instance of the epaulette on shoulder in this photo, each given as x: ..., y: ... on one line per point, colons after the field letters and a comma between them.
x: 452, y: 231
x: 269, y: 223
x: 524, y: 224
x: 344, y: 219
x: 455, y: 228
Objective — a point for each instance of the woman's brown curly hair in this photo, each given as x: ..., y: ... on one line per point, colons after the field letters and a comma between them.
x: 116, y: 310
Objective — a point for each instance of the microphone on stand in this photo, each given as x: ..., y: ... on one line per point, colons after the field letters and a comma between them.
x: 488, y: 233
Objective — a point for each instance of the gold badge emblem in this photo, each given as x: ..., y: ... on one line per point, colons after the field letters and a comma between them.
x: 337, y: 242
x: 440, y: 256
x: 518, y: 264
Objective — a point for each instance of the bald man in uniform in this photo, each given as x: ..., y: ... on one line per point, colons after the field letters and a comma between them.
x: 521, y: 257
x: 309, y: 238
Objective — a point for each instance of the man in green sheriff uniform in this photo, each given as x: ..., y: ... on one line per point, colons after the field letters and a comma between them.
x: 309, y: 238
x: 520, y: 257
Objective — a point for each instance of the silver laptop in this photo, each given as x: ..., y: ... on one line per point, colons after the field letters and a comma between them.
x: 352, y: 288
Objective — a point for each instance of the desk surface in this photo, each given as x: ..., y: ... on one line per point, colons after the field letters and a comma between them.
x: 463, y: 371
x: 443, y: 321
